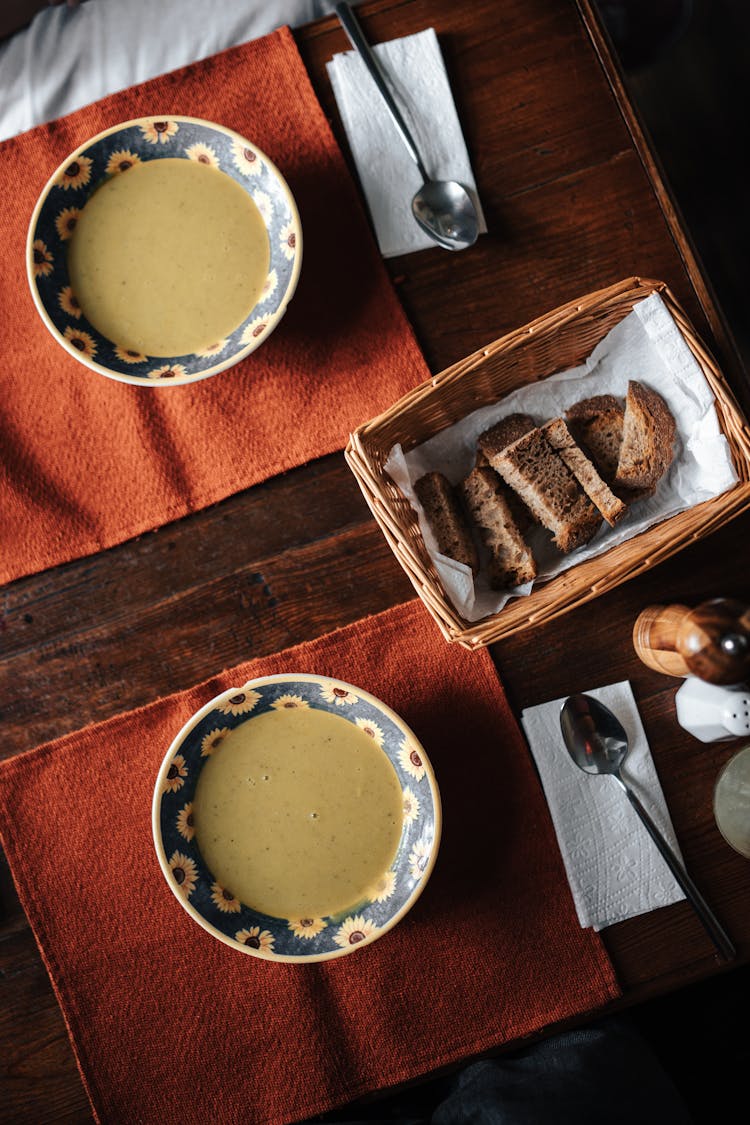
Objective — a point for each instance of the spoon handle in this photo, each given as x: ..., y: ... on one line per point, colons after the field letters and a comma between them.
x: 356, y: 38
x: 713, y: 927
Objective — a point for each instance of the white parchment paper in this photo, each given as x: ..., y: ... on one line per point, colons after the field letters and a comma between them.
x: 646, y: 345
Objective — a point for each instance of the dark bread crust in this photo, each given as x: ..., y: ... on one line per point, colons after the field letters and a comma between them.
x: 447, y: 520
x: 489, y: 504
x: 504, y: 433
x: 596, y: 424
x: 647, y: 439
x: 590, y: 408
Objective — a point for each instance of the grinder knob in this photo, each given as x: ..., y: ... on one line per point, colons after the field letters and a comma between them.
x: 711, y: 641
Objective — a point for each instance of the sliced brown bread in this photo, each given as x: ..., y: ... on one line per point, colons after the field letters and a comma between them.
x: 490, y: 506
x: 503, y: 433
x: 446, y: 518
x: 583, y: 469
x: 546, y: 485
x: 521, y: 514
x: 596, y: 424
x: 647, y: 439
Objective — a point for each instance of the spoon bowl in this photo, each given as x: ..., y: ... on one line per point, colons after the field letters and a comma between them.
x: 443, y: 208
x: 598, y: 743
x: 594, y: 736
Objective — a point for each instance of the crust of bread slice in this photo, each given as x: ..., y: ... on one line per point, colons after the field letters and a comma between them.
x: 546, y: 485
x: 584, y: 470
x: 446, y: 518
x: 648, y: 436
x: 489, y: 504
x: 503, y: 433
x: 596, y: 425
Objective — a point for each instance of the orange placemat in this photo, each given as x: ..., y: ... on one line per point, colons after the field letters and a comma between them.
x: 86, y: 462
x: 169, y: 1024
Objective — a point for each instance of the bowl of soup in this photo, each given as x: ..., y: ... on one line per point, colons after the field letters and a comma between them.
x: 296, y: 818
x: 164, y: 250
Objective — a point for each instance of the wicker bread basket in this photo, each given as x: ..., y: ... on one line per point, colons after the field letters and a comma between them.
x: 560, y: 340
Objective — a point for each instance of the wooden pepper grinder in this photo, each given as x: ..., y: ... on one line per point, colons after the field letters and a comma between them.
x: 710, y: 642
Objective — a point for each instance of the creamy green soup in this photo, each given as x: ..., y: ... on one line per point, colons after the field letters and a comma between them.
x: 168, y: 257
x: 298, y: 813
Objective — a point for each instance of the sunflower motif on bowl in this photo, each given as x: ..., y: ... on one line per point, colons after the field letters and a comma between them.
x: 115, y: 152
x: 215, y: 907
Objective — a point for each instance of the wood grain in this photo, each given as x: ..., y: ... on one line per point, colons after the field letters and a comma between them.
x: 593, y: 646
x: 574, y: 202
x: 573, y: 195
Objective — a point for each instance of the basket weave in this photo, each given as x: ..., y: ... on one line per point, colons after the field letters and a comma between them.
x: 560, y: 340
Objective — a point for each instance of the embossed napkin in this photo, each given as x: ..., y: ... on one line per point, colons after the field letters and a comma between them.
x: 614, y: 868
x: 389, y: 176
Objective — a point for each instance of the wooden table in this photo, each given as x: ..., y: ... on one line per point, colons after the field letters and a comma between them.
x: 574, y: 202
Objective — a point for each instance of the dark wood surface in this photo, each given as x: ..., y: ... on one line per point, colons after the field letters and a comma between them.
x: 574, y: 202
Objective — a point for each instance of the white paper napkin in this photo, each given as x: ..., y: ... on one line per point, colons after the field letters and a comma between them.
x: 614, y: 868
x: 388, y: 174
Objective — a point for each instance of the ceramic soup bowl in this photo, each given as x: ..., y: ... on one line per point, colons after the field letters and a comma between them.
x: 177, y: 826
x: 115, y: 152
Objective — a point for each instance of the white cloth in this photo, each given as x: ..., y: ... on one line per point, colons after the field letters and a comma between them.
x: 388, y: 175
x: 614, y: 869
x: 68, y: 57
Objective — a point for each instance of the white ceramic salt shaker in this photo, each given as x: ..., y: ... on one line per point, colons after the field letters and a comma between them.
x: 713, y: 712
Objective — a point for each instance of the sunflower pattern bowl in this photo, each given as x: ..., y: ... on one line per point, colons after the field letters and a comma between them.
x: 214, y: 906
x: 113, y: 153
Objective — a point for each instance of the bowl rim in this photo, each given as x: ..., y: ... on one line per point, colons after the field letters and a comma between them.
x: 121, y: 376
x: 281, y: 678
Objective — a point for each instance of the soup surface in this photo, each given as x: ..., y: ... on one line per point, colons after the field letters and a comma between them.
x: 168, y: 257
x: 298, y: 813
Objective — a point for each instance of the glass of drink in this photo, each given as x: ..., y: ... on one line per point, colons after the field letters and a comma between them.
x: 732, y: 801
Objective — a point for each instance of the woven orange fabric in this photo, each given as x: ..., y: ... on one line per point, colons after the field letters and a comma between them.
x: 168, y: 1023
x: 86, y: 462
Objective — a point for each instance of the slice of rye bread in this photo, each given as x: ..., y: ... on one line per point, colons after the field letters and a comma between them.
x: 493, y: 441
x: 503, y: 433
x: 583, y: 469
x: 546, y: 485
x: 647, y: 439
x: 596, y: 424
x: 490, y: 505
x: 521, y: 514
x: 447, y: 520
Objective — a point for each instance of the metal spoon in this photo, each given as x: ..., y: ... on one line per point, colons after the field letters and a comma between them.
x: 443, y: 208
x: 597, y: 743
